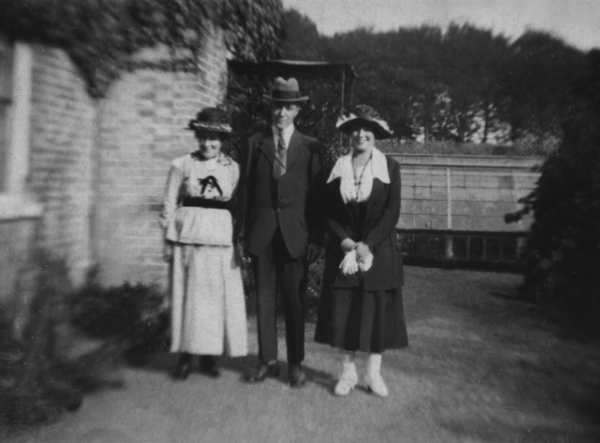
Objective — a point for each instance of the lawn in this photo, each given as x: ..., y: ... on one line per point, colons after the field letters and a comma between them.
x: 481, y: 367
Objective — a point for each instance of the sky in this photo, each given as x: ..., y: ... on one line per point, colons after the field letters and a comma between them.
x: 576, y: 21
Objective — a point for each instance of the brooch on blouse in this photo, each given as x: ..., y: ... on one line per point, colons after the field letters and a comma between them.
x: 209, y: 187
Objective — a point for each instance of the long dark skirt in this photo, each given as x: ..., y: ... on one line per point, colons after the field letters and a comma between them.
x: 357, y: 320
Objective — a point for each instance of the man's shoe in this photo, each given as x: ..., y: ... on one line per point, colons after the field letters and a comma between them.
x: 297, y: 377
x: 208, y: 366
x: 183, y: 368
x: 263, y: 371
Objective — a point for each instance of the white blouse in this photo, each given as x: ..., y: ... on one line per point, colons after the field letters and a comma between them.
x: 350, y: 192
x: 191, y: 177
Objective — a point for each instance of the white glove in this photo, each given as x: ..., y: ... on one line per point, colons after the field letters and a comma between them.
x: 365, y: 264
x: 349, y: 264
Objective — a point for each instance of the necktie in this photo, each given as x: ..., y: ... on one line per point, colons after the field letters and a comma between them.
x: 279, y: 164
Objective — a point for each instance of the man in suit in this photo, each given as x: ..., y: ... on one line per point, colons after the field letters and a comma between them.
x: 283, y: 228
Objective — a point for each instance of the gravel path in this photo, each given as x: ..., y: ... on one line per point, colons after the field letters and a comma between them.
x: 480, y: 368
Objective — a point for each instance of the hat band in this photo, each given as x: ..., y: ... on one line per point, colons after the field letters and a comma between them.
x: 217, y: 127
x: 285, y: 95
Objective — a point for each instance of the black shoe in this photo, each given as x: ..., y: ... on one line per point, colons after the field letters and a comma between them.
x: 263, y: 371
x: 183, y: 368
x: 297, y: 377
x: 208, y: 366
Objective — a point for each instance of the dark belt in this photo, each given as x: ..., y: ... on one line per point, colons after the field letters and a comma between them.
x: 201, y: 202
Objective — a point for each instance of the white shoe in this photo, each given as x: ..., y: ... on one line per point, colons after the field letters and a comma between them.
x: 348, y: 380
x: 376, y: 384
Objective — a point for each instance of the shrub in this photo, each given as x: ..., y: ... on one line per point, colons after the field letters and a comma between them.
x: 38, y: 381
x: 563, y: 248
x: 134, y: 315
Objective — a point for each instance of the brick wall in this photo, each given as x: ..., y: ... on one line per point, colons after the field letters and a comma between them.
x: 61, y: 134
x: 62, y: 137
x: 17, y: 242
x: 97, y: 168
x: 141, y: 125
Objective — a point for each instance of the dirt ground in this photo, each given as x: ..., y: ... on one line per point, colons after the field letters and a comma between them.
x: 481, y: 367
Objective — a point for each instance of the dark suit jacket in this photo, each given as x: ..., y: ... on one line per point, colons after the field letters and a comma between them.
x: 378, y: 232
x: 292, y: 202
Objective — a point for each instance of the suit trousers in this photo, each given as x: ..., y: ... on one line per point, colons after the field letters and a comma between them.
x: 279, y: 274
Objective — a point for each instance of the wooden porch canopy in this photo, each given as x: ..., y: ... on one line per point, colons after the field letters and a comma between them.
x: 304, y: 68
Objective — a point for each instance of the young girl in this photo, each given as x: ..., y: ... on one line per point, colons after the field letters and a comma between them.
x: 207, y: 300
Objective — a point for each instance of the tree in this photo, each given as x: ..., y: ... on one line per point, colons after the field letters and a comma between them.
x: 563, y: 248
x: 465, y: 83
x: 473, y: 59
x: 301, y: 37
x: 536, y: 81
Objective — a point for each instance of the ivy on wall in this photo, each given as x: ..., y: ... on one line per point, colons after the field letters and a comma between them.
x: 101, y: 35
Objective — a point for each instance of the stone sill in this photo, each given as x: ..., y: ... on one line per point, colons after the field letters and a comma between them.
x: 18, y: 206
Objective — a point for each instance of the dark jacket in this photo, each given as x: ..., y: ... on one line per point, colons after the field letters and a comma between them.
x: 292, y: 202
x: 378, y: 231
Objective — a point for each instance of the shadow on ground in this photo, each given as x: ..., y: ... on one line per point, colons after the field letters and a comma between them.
x: 500, y: 371
x: 481, y: 367
x: 164, y: 362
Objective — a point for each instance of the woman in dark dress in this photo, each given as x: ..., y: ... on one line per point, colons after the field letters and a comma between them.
x: 361, y: 306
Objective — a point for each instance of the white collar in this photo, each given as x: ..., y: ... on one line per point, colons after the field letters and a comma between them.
x: 379, y: 167
x: 211, y: 163
x: 286, y: 133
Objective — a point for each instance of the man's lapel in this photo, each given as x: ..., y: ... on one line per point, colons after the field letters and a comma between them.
x: 267, y: 146
x: 294, y: 149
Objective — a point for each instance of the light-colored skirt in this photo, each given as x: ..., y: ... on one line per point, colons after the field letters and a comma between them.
x: 208, y: 310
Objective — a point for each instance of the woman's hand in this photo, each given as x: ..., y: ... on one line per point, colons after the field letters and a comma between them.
x: 239, y: 254
x: 349, y: 266
x: 362, y: 252
x: 167, y: 251
x: 348, y: 245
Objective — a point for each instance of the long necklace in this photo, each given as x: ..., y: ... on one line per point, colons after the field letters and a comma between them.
x: 358, y: 180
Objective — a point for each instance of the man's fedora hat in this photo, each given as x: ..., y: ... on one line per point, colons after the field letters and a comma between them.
x: 286, y: 91
x: 211, y: 120
x: 364, y: 116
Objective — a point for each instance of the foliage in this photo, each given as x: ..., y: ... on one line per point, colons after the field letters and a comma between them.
x: 462, y: 84
x: 134, y: 315
x: 101, y: 35
x: 38, y: 378
x: 314, y: 282
x: 529, y: 146
x: 302, y: 39
x: 537, y: 79
x: 461, y: 90
x: 254, y: 27
x: 563, y: 249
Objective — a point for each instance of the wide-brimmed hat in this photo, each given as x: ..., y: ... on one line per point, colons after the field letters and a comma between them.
x: 211, y: 120
x: 286, y: 91
x: 364, y: 116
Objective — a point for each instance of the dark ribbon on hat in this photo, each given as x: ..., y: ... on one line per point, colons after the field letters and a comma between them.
x: 278, y: 94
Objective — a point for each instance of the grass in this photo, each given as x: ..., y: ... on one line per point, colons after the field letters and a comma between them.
x: 481, y: 367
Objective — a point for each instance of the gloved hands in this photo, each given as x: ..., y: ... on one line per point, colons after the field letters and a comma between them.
x: 349, y: 265
x: 364, y: 256
x: 358, y: 257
